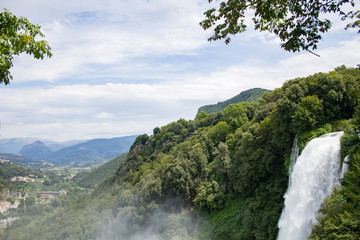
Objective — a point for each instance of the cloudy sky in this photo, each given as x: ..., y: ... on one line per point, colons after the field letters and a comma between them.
x: 124, y: 67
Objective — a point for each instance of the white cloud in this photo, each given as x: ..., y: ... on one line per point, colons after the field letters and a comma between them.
x: 82, y: 110
x: 112, y: 33
x: 125, y: 67
x: 344, y: 52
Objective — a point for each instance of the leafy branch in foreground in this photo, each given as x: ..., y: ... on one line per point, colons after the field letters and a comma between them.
x: 17, y: 35
x: 298, y: 24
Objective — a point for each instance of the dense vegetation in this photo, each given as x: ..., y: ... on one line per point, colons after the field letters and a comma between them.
x: 251, y: 95
x: 219, y: 176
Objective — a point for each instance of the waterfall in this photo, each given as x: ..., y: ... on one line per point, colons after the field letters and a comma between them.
x: 344, y: 167
x: 315, y: 173
x: 293, y: 157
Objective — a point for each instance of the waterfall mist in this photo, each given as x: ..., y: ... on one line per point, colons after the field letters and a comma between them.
x: 314, y: 175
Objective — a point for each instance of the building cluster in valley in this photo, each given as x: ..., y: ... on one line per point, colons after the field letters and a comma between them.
x: 42, y: 196
x: 5, y: 161
x: 6, y: 204
x: 26, y: 179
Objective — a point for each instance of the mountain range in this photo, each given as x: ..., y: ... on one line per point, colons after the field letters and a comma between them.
x: 14, y: 145
x: 89, y: 153
x: 92, y: 152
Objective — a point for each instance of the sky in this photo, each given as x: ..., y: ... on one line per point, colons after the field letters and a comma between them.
x: 122, y: 67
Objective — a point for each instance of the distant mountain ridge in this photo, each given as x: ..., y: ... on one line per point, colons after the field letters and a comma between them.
x: 14, y: 145
x: 251, y: 95
x: 86, y: 154
x: 96, y: 149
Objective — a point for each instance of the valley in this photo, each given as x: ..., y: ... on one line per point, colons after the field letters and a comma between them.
x: 29, y: 184
x: 22, y: 187
x: 219, y: 176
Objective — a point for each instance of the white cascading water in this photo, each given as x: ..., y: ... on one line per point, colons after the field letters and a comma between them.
x: 344, y: 167
x: 314, y: 175
x: 293, y: 157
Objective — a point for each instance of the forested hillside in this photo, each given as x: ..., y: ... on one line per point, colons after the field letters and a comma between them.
x: 251, y: 95
x: 95, y: 177
x: 219, y: 176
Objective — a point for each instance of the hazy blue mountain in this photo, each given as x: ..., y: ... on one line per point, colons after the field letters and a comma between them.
x: 36, y: 150
x: 92, y: 152
x: 14, y: 145
x: 251, y: 95
x: 54, y: 146
x: 84, y: 154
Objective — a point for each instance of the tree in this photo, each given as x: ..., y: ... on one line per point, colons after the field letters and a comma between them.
x: 308, y: 114
x: 219, y: 132
x: 209, y: 196
x: 17, y: 35
x: 297, y: 22
x: 235, y: 115
x: 30, y: 201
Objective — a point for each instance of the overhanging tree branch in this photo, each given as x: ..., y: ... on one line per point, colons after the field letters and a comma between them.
x: 17, y: 35
x: 298, y: 23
